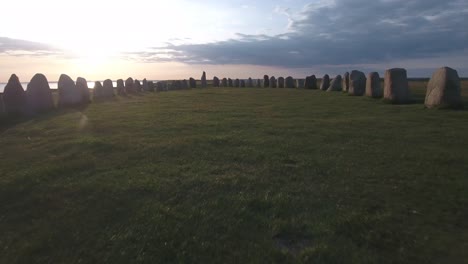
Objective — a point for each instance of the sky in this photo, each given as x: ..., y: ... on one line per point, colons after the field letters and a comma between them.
x: 179, y: 39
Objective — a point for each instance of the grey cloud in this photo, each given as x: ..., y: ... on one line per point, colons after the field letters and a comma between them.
x: 342, y: 32
x: 18, y: 47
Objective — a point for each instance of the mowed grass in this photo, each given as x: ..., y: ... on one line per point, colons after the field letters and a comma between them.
x: 237, y: 176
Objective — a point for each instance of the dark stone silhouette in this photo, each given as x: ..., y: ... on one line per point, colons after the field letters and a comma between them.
x: 396, y: 89
x: 289, y: 82
x: 266, y: 81
x: 346, y: 82
x: 193, y: 83
x: 311, y: 82
x: 82, y: 86
x: 336, y: 84
x: 357, y: 83
x: 225, y: 82
x: 108, y: 89
x: 120, y: 87
x: 230, y: 83
x: 14, y: 97
x: 259, y: 83
x: 300, y: 83
x: 69, y: 95
x: 280, y: 82
x: 373, y: 87
x: 39, y: 95
x: 215, y: 81
x: 145, y: 85
x: 325, y: 82
x: 203, y: 80
x: 137, y: 85
x: 250, y: 82
x: 98, y: 91
x: 444, y: 89
x: 129, y: 86
x: 242, y: 83
x: 273, y: 83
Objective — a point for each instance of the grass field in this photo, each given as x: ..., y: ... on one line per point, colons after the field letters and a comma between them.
x: 237, y: 176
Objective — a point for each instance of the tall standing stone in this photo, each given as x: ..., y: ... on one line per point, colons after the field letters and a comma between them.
x: 273, y: 83
x: 38, y: 94
x: 357, y: 83
x: 145, y: 85
x: 98, y: 91
x: 396, y: 89
x: 192, y: 82
x: 346, y: 82
x: 120, y: 87
x: 259, y: 83
x: 266, y: 81
x: 242, y: 83
x: 203, y: 80
x: 225, y: 82
x: 250, y: 82
x: 289, y: 82
x: 108, y: 88
x: 325, y: 82
x: 373, y: 87
x: 236, y: 83
x: 137, y: 85
x: 444, y: 89
x: 230, y: 84
x: 129, y: 86
x: 14, y: 97
x: 311, y: 82
x: 82, y: 86
x: 69, y: 95
x: 280, y: 82
x: 215, y: 81
x: 336, y: 84
x: 300, y: 83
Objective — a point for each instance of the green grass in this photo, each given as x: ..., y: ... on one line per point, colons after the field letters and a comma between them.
x: 236, y: 176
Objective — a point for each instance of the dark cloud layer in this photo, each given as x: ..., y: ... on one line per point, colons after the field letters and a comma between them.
x: 341, y: 32
x: 18, y: 47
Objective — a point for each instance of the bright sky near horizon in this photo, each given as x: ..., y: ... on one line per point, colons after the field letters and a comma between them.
x: 180, y: 38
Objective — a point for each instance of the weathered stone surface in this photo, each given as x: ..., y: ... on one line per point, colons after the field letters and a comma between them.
x: 336, y: 84
x: 280, y: 82
x: 129, y: 86
x: 300, y: 83
x: 242, y: 83
x: 396, y: 88
x: 325, y: 82
x: 145, y: 86
x: 230, y: 83
x: 120, y: 87
x: 273, y: 82
x: 192, y: 83
x: 266, y: 81
x: 98, y: 91
x: 444, y: 89
x: 203, y: 80
x: 259, y: 83
x: 39, y: 95
x: 357, y: 83
x: 215, y: 81
x: 137, y: 84
x: 68, y: 94
x: 82, y: 86
x: 311, y: 82
x: 373, y: 87
x: 108, y: 88
x: 225, y: 82
x: 346, y: 82
x: 289, y: 82
x: 14, y: 97
x: 250, y: 82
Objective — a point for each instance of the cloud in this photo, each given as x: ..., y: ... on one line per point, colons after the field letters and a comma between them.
x: 337, y: 32
x: 18, y: 47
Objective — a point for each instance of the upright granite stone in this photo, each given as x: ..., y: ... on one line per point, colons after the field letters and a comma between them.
x: 230, y: 83
x: 82, y: 86
x: 357, y: 83
x: 289, y: 82
x: 68, y: 94
x: 250, y: 82
x: 444, y: 90
x: 151, y: 86
x: 346, y: 82
x: 129, y: 86
x: 185, y: 84
x: 120, y: 87
x: 300, y: 83
x: 38, y: 95
x: 396, y: 90
x: 236, y: 83
x: 266, y: 81
x: 242, y: 83
x: 145, y: 85
x: 259, y: 83
x: 311, y: 82
x: 225, y: 82
x: 215, y: 81
x: 203, y: 80
x: 336, y: 84
x: 273, y: 82
x: 108, y: 89
x: 98, y: 91
x: 192, y: 83
x: 325, y: 82
x: 137, y: 85
x: 280, y: 82
x: 373, y: 87
x: 14, y: 97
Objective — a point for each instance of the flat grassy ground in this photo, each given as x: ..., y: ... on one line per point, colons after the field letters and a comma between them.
x: 237, y: 176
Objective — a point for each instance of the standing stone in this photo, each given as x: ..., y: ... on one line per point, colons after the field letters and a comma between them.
x: 215, y: 81
x: 129, y: 86
x: 259, y: 83
x: 289, y: 82
x: 225, y: 82
x: 280, y: 82
x: 336, y: 84
x: 151, y: 86
x: 300, y: 83
x: 137, y: 85
x: 311, y: 82
x: 120, y: 87
x: 69, y: 95
x: 145, y: 85
x: 203, y: 80
x: 242, y: 83
x: 192, y: 82
x: 273, y: 83
x: 444, y: 89
x: 396, y: 88
x: 230, y: 84
x: 14, y: 97
x: 266, y: 81
x: 82, y: 86
x: 250, y: 82
x: 236, y: 83
x: 357, y: 83
x: 325, y: 82
x: 38, y: 94
x: 108, y: 89
x: 185, y: 84
x: 373, y: 87
x: 98, y: 91
x: 346, y: 82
